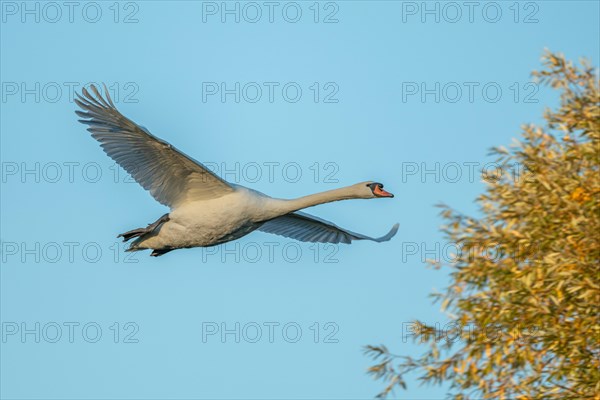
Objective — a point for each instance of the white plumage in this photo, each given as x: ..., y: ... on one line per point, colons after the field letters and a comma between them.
x: 205, y: 209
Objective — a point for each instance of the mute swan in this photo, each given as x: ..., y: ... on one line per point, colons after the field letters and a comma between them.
x: 205, y: 209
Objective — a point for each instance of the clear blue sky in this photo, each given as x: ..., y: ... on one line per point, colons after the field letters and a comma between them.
x: 60, y: 266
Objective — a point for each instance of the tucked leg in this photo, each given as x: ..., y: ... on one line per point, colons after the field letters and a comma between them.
x: 142, y: 231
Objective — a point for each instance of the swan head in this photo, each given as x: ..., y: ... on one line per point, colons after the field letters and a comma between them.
x: 373, y: 189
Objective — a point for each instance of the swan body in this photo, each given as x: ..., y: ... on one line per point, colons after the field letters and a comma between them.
x: 205, y: 209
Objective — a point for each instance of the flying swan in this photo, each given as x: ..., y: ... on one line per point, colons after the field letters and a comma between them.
x: 205, y: 209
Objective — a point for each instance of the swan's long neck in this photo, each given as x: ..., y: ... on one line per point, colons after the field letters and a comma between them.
x: 288, y: 206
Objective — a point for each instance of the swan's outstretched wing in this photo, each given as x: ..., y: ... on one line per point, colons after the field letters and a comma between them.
x: 306, y: 228
x: 169, y: 175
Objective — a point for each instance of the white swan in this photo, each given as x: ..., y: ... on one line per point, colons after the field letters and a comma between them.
x: 205, y: 209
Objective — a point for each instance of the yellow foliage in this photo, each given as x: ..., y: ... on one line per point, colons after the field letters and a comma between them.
x: 535, y: 307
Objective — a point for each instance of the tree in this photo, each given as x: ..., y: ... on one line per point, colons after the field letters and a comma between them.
x: 525, y: 316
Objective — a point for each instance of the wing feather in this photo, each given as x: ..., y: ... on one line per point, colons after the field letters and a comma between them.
x: 169, y: 175
x: 308, y: 228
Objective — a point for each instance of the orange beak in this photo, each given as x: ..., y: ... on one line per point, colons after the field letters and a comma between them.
x: 382, y: 193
